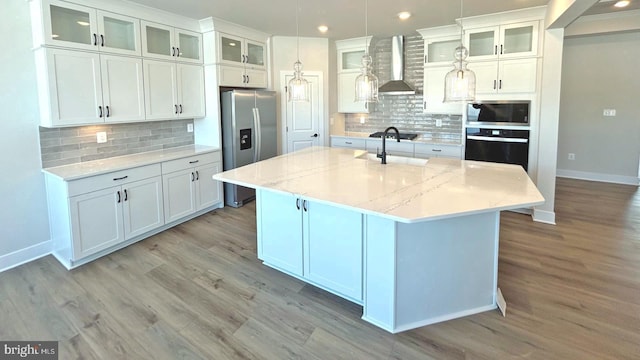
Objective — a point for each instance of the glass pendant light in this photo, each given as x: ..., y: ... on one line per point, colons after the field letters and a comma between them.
x: 460, y: 83
x: 298, y: 86
x: 366, y: 82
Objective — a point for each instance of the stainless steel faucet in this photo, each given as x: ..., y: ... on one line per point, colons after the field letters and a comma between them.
x: 383, y: 155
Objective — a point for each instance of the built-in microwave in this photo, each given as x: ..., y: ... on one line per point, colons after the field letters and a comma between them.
x: 498, y: 113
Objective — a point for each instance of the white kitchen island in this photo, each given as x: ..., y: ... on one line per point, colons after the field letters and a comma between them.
x: 413, y: 243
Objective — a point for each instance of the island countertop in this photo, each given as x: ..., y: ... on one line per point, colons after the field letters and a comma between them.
x: 442, y: 188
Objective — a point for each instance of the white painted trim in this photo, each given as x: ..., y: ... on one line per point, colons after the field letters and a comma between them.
x: 25, y: 255
x: 544, y: 216
x: 438, y: 319
x: 591, y: 176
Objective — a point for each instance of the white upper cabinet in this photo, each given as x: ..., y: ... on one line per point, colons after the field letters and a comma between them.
x: 168, y: 43
x: 235, y: 50
x: 350, y: 54
x: 173, y: 91
x: 505, y: 41
x: 79, y: 27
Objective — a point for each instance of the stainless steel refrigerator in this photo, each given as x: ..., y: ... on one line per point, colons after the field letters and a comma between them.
x: 248, y: 135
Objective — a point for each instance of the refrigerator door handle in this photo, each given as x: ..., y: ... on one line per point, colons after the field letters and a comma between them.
x: 258, y: 134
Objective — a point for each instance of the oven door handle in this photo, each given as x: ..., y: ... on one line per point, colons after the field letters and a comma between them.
x: 498, y: 139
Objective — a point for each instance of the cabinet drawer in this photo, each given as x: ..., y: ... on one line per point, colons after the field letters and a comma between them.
x: 94, y: 183
x: 189, y: 162
x: 348, y: 143
x: 429, y: 150
x: 392, y: 147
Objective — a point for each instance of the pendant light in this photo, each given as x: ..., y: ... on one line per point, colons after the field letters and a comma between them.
x: 460, y: 83
x: 298, y: 86
x: 366, y: 82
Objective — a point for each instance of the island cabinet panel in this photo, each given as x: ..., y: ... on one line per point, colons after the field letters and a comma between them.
x: 318, y: 243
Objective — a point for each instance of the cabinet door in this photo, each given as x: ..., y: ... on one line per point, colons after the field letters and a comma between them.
x: 486, y: 76
x: 434, y: 92
x: 518, y: 76
x: 350, y: 60
x: 519, y: 39
x: 179, y: 194
x: 483, y: 43
x: 208, y: 191
x: 96, y: 221
x: 142, y: 206
x: 190, y: 91
x: 118, y: 34
x: 256, y: 78
x: 158, y: 41
x: 333, y: 248
x: 231, y: 76
x: 75, y: 87
x: 230, y: 49
x: 122, y: 88
x: 188, y: 46
x: 70, y: 25
x: 347, y: 94
x: 440, y: 51
x: 255, y: 54
x: 280, y: 231
x: 160, y: 90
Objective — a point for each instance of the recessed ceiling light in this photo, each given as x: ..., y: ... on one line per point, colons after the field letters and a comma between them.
x: 621, y: 3
x: 404, y: 15
x: 323, y: 28
x: 83, y: 23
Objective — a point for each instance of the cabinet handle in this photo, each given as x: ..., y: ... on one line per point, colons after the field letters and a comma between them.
x: 495, y: 51
x: 348, y: 142
x: 173, y: 51
x: 244, y: 58
x: 501, y: 49
x: 194, y: 162
x: 177, y: 52
x: 99, y: 111
x: 304, y: 205
x: 193, y: 178
x: 425, y: 59
x: 126, y: 195
x: 494, y: 84
x: 95, y: 39
x: 108, y: 111
x: 120, y: 178
x: 197, y: 175
x: 180, y: 108
x: 176, y: 107
x: 118, y: 193
x: 298, y: 204
x: 436, y: 150
x: 500, y: 84
x: 101, y: 40
x: 248, y: 80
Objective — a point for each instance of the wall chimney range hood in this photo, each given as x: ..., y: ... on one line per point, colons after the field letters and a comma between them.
x: 397, y: 85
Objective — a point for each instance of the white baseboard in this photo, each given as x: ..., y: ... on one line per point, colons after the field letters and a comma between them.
x: 544, y: 216
x: 25, y: 255
x: 584, y: 175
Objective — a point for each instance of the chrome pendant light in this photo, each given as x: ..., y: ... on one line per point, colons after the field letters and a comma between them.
x: 298, y: 86
x: 366, y: 82
x: 460, y: 83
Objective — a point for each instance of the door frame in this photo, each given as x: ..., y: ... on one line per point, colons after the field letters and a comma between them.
x: 322, y: 126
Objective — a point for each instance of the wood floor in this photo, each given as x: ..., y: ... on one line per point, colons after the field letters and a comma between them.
x: 197, y: 291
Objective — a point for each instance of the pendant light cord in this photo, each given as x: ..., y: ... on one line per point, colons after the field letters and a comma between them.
x: 366, y: 26
x: 297, y: 31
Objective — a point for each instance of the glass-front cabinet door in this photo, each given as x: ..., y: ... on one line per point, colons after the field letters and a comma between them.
x: 506, y: 41
x: 483, y: 43
x: 230, y: 50
x: 118, y: 33
x: 157, y: 41
x: 255, y: 54
x: 351, y: 60
x: 189, y: 45
x: 70, y: 25
x: 440, y: 51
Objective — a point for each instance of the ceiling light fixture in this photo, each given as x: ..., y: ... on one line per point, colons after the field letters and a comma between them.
x: 622, y: 3
x: 404, y: 15
x: 366, y: 82
x: 323, y: 28
x: 298, y: 86
x: 460, y: 83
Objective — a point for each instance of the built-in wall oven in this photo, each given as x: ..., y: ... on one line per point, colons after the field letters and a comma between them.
x: 498, y: 132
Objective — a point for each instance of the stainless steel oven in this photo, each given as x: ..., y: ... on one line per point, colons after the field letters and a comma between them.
x: 506, y: 146
x: 498, y: 113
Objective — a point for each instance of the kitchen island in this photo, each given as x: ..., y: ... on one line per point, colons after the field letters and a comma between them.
x: 414, y: 242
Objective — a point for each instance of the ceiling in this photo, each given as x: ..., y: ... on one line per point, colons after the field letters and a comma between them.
x: 345, y: 19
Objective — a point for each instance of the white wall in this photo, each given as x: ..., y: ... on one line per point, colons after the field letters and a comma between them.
x: 314, y: 55
x: 23, y: 215
x: 600, y: 72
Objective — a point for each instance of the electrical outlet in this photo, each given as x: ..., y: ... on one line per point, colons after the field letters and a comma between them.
x: 101, y: 137
x: 609, y: 112
x: 572, y: 156
x: 438, y: 122
x: 361, y: 119
x: 190, y: 127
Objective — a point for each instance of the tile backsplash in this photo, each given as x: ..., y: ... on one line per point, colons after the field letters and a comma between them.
x: 404, y: 111
x: 62, y: 146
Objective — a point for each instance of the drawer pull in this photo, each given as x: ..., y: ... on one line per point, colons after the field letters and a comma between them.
x: 348, y: 142
x: 436, y: 150
x: 194, y: 162
x: 120, y: 178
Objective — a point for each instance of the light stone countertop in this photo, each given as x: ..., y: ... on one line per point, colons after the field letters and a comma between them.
x: 419, y: 139
x: 97, y: 167
x: 442, y: 188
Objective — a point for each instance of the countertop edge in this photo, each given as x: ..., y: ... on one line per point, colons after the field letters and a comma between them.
x: 415, y: 141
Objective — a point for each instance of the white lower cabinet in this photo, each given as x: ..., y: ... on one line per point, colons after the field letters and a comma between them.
x: 426, y: 151
x: 319, y: 243
x: 188, y: 186
x: 348, y: 142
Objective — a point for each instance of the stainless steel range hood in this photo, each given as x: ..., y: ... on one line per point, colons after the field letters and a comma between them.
x: 397, y: 86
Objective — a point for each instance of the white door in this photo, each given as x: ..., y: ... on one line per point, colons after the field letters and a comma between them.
x: 160, y: 90
x: 122, y: 88
x: 486, y: 76
x: 303, y: 120
x: 518, y: 75
x: 179, y: 194
x: 208, y: 191
x: 142, y: 208
x: 347, y: 94
x: 434, y: 92
x: 190, y: 91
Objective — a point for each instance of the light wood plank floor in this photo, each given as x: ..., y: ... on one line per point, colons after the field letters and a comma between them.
x: 198, y: 291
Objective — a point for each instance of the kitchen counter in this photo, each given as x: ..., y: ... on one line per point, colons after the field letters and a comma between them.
x: 97, y: 167
x: 419, y: 139
x: 442, y: 188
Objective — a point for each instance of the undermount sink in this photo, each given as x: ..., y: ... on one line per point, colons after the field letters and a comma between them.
x: 392, y: 159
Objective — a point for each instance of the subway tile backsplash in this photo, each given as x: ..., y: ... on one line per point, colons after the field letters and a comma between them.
x: 63, y: 146
x: 404, y: 111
